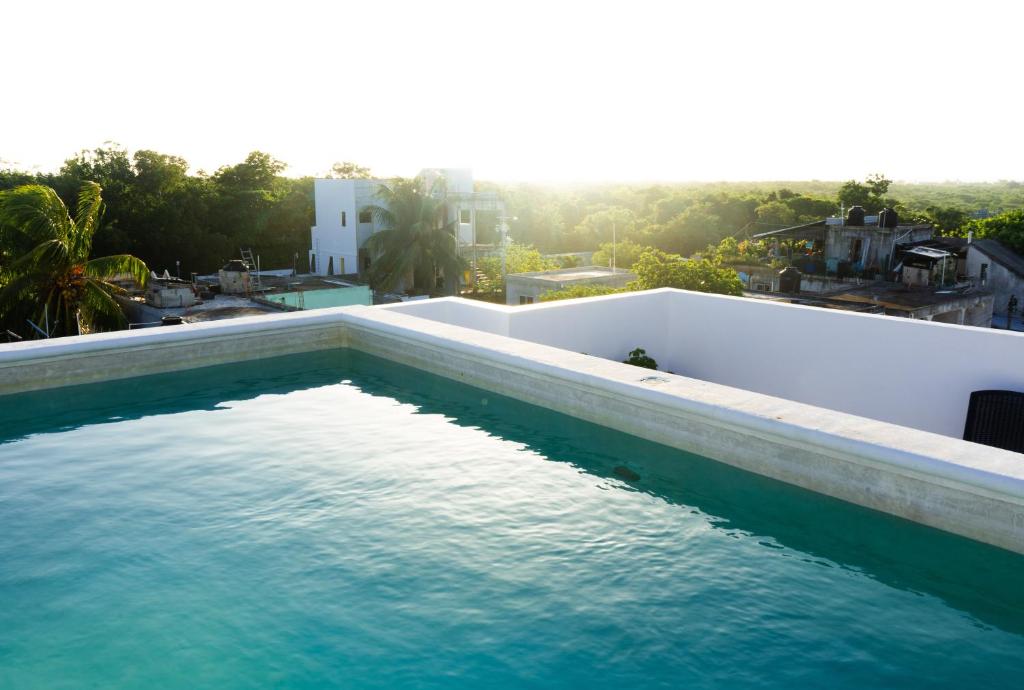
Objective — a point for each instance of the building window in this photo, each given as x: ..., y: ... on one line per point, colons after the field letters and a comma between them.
x: 855, y: 249
x: 465, y: 216
x: 365, y: 216
x: 984, y: 273
x: 344, y: 220
x: 523, y: 299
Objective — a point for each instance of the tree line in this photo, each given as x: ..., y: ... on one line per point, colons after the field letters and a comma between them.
x: 686, y: 218
x: 158, y: 211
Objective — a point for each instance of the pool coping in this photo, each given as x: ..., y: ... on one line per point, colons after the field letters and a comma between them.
x: 968, y: 489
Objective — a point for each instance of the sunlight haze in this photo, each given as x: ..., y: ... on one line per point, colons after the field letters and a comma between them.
x: 552, y: 91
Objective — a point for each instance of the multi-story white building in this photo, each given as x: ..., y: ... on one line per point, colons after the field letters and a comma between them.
x: 344, y: 222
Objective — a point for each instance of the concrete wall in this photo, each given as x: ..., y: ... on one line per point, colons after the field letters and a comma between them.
x: 165, y: 296
x: 913, y: 373
x: 1000, y: 281
x: 329, y: 240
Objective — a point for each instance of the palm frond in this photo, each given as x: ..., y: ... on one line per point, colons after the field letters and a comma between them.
x: 99, y: 309
x: 49, y: 256
x: 108, y: 267
x: 87, y: 218
x: 381, y: 216
x: 32, y: 213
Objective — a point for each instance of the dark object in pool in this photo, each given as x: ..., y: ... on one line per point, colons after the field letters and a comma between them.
x: 171, y: 320
x: 626, y: 473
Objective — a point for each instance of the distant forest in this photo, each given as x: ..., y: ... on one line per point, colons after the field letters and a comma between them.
x: 160, y: 212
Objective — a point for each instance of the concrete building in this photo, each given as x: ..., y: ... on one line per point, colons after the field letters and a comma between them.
x: 344, y: 221
x: 965, y: 307
x: 164, y: 293
x: 526, y: 288
x: 998, y: 269
x: 858, y: 245
x: 235, y: 278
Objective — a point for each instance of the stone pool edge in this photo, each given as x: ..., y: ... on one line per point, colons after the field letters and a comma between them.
x: 959, y: 487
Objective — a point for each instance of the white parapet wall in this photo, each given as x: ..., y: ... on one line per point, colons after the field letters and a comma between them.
x: 913, y: 373
x: 943, y: 482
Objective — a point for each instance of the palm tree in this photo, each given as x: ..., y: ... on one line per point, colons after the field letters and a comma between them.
x: 417, y: 241
x: 46, y: 275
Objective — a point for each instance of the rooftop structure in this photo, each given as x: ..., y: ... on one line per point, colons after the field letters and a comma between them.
x: 855, y: 245
x: 1000, y: 270
x: 527, y: 288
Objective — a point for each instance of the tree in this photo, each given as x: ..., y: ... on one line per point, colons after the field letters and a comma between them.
x: 55, y: 282
x: 1007, y: 227
x: 626, y: 254
x: 602, y: 226
x: 656, y: 269
x: 576, y: 291
x: 691, y: 230
x: 347, y: 170
x: 416, y: 242
x: 870, y: 194
x: 776, y: 213
x: 519, y: 258
x: 948, y: 221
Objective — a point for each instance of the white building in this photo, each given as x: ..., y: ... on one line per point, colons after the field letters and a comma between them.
x: 344, y: 222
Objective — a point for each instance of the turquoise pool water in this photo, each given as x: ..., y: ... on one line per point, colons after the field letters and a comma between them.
x: 336, y: 521
x: 322, y: 299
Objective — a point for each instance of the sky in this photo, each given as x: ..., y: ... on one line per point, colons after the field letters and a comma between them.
x: 555, y: 91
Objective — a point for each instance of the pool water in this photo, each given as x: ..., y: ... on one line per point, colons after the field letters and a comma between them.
x: 336, y: 521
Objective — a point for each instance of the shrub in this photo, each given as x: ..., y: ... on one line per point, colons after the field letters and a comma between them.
x: 639, y: 358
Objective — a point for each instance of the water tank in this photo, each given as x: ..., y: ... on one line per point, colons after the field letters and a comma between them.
x: 789, y: 280
x: 855, y: 216
x: 888, y: 218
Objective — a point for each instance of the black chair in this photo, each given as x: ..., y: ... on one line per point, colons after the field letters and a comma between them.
x: 996, y: 418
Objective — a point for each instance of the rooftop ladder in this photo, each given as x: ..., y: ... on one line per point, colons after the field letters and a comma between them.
x: 252, y: 265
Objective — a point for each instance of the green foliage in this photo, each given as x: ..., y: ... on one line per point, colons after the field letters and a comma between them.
x: 729, y: 251
x: 776, y: 213
x: 156, y: 210
x: 656, y: 269
x: 46, y: 275
x: 600, y: 226
x: 521, y: 258
x: 639, y: 358
x: 870, y: 194
x: 1007, y: 227
x: 626, y: 254
x: 948, y: 221
x: 575, y: 291
x: 347, y: 170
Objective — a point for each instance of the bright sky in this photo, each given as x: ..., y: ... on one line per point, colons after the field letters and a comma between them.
x: 521, y: 90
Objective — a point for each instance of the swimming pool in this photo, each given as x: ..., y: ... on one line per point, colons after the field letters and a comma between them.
x: 336, y: 520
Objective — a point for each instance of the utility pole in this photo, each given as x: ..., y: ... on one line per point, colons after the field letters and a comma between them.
x: 614, y: 243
